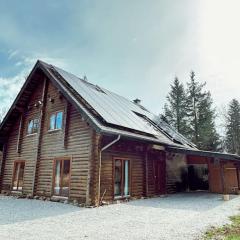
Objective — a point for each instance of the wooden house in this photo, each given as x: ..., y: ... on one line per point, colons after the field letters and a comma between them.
x: 66, y: 138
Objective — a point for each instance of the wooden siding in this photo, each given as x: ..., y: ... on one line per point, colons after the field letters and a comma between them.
x: 137, y: 155
x: 1, y: 158
x: 136, y: 176
x: 53, y: 146
x: 93, y: 173
x: 74, y: 142
x: 28, y: 146
x: 153, y: 157
x: 230, y: 176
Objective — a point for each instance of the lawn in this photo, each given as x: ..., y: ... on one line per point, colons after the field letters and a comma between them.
x: 227, y: 232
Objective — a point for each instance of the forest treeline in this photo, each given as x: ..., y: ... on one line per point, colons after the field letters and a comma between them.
x: 190, y: 110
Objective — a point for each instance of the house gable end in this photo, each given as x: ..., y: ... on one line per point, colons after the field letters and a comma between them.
x: 37, y: 74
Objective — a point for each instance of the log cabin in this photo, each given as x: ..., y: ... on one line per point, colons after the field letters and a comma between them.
x: 66, y: 138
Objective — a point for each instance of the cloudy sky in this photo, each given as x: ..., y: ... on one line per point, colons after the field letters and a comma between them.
x: 134, y: 48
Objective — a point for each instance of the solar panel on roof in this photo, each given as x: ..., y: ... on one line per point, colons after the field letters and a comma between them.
x: 118, y: 110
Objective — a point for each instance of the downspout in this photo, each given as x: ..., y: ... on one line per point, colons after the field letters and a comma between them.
x: 100, y: 166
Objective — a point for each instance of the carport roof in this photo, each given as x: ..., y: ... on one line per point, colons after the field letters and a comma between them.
x: 197, y: 152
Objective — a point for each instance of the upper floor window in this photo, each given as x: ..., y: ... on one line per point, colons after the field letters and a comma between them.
x: 56, y: 121
x: 33, y: 126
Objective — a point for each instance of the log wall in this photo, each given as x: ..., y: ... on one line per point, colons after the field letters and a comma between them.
x: 75, y: 143
x: 137, y: 173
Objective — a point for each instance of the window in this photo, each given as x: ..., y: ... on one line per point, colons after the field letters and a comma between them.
x: 33, y: 126
x: 18, y: 176
x: 121, y: 178
x: 61, y: 177
x: 56, y: 120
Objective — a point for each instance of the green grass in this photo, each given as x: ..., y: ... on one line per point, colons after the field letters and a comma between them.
x: 226, y: 232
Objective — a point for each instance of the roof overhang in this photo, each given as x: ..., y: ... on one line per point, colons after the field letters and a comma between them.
x: 202, y: 153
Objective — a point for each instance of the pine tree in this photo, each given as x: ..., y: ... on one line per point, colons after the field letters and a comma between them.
x: 175, y: 108
x: 233, y: 127
x: 201, y: 115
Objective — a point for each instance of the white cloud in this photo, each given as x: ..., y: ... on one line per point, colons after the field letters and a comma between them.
x: 12, y: 54
x: 10, y: 86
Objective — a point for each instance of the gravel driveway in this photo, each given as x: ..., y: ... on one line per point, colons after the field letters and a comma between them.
x: 180, y: 216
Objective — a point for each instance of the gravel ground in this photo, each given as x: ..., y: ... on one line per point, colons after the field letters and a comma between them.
x: 180, y: 216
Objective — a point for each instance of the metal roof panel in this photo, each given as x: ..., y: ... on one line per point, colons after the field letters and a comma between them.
x: 113, y: 108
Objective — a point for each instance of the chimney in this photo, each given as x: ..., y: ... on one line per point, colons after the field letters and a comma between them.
x: 137, y: 101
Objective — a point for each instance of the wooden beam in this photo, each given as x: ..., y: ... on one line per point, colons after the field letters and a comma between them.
x: 40, y: 129
x: 238, y: 179
x: 146, y: 172
x: 94, y: 168
x: 66, y: 124
x: 20, y: 132
x: 223, y: 178
x: 2, y: 166
x: 19, y: 109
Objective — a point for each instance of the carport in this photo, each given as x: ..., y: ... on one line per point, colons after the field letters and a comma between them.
x: 193, y: 170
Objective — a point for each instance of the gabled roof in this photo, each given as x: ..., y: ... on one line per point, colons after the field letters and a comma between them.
x: 108, y: 112
x: 119, y: 112
x: 116, y: 113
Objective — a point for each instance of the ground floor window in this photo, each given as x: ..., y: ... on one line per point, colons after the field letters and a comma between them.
x: 61, y: 179
x: 121, y: 178
x: 18, y: 173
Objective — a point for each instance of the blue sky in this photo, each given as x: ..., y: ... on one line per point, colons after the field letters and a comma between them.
x: 134, y: 48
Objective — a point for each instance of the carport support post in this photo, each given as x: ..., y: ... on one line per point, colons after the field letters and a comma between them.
x: 223, y: 178
x: 146, y: 172
x: 237, y: 170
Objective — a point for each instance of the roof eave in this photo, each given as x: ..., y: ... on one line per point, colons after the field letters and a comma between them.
x: 196, y: 152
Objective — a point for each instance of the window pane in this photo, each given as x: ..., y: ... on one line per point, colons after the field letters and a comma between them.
x: 35, y: 125
x: 30, y: 126
x: 59, y: 120
x: 20, y: 176
x: 57, y: 178
x: 118, y: 178
x: 52, y: 122
x: 15, y: 177
x: 126, y: 178
x: 65, y: 178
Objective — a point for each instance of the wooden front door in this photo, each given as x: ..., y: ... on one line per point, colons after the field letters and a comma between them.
x: 159, y: 173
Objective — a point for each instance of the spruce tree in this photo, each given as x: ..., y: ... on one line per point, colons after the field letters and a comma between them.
x: 201, y: 115
x: 175, y: 108
x: 233, y: 127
